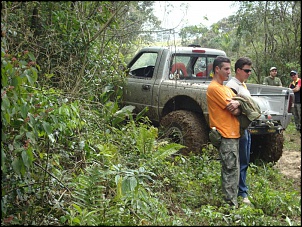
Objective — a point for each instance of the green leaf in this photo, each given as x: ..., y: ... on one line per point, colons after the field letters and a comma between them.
x: 22, y: 62
x: 30, y: 155
x: 47, y: 127
x: 30, y: 79
x: 25, y: 158
x: 119, y: 190
x: 121, y: 114
x: 167, y: 150
x: 3, y: 159
x: 4, y: 81
x: 16, y: 81
x: 141, y: 114
x: 125, y: 187
x: 78, y: 208
x: 31, y: 56
x: 5, y: 104
x: 34, y: 74
x: 76, y: 220
x: 24, y: 110
x: 31, y: 136
x: 48, y: 76
x: 132, y: 183
x: 16, y: 165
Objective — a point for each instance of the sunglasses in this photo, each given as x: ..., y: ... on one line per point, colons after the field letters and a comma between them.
x: 247, y: 70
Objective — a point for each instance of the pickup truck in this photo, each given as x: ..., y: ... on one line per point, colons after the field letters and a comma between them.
x: 171, y: 84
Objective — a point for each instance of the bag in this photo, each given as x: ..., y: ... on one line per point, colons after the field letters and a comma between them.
x: 215, y: 137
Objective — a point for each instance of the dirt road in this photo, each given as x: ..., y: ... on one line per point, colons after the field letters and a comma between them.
x: 290, y: 162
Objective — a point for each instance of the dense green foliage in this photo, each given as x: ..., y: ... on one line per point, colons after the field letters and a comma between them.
x: 71, y: 155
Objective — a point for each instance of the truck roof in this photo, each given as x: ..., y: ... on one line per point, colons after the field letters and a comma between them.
x: 187, y: 50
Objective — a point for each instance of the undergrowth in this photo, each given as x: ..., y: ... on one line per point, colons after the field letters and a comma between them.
x: 178, y: 190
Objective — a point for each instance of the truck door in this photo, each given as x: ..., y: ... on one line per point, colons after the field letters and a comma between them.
x: 140, y: 81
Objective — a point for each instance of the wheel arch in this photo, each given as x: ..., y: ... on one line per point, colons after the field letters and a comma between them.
x: 182, y: 102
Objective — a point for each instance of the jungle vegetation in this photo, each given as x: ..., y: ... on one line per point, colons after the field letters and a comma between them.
x: 71, y: 155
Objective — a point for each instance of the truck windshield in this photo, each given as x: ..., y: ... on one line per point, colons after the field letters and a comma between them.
x: 146, y: 59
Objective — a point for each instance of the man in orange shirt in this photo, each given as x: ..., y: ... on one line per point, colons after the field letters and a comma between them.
x: 223, y: 112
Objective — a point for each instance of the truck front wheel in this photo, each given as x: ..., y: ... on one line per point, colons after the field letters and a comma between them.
x: 186, y: 128
x: 267, y: 147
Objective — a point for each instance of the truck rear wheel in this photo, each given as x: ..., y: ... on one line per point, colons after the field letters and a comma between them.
x: 186, y: 128
x: 267, y: 147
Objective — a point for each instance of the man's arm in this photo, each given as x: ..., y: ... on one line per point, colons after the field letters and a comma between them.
x: 298, y: 86
x: 233, y: 107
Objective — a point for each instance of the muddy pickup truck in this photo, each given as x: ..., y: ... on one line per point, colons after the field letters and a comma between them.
x: 171, y: 84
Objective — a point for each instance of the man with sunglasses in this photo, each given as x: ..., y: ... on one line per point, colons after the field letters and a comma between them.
x: 272, y: 79
x: 237, y: 84
x: 295, y: 85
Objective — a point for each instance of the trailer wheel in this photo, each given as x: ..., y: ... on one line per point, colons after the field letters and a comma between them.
x: 186, y: 128
x: 268, y: 147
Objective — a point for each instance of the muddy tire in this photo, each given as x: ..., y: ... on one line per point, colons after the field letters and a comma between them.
x: 267, y: 148
x: 186, y: 128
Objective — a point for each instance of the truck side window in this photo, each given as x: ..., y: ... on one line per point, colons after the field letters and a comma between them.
x: 143, y: 67
x: 200, y: 67
x: 179, y: 70
x: 210, y: 72
x: 180, y: 67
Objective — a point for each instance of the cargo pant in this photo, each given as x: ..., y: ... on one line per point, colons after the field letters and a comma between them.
x: 230, y: 170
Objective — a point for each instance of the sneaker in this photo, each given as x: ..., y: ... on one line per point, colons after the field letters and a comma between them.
x: 246, y: 201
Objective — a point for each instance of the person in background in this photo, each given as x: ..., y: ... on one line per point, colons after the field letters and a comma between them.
x: 223, y: 113
x: 237, y: 84
x: 272, y: 79
x: 295, y: 85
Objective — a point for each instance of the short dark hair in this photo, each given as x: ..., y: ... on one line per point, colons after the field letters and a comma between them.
x: 242, y: 62
x: 219, y: 60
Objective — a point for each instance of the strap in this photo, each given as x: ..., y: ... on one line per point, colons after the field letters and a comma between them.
x: 234, y: 91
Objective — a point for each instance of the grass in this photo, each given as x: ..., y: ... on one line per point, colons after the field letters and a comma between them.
x: 198, y: 198
x: 292, y: 138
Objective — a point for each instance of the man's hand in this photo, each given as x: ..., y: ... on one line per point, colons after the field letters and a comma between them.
x: 233, y: 105
x: 236, y: 112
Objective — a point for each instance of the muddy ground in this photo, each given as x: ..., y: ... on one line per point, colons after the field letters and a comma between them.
x: 290, y: 162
